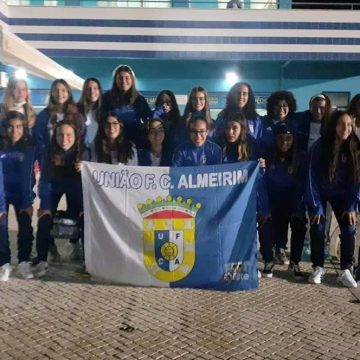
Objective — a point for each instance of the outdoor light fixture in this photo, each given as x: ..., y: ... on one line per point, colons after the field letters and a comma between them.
x: 20, y: 74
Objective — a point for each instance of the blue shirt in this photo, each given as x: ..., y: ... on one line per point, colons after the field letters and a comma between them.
x: 188, y: 154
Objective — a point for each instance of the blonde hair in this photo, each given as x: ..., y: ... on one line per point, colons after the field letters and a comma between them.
x: 9, y: 101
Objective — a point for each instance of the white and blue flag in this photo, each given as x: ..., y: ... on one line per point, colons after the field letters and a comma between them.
x: 172, y: 227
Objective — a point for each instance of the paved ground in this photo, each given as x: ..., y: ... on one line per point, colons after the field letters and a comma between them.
x: 69, y: 316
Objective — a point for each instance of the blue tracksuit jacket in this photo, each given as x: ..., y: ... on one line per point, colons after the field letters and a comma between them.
x: 319, y: 188
x: 188, y: 154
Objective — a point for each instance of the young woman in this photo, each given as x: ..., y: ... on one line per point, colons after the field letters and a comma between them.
x: 354, y: 110
x: 89, y: 107
x: 125, y: 101
x: 17, y: 98
x: 60, y: 174
x: 155, y: 154
x: 166, y: 108
x: 285, y: 178
x: 198, y: 150
x: 60, y: 106
x: 311, y: 122
x: 280, y: 106
x: 198, y: 105
x: 111, y: 144
x: 334, y: 176
x: 17, y: 154
x: 241, y: 99
x: 238, y: 145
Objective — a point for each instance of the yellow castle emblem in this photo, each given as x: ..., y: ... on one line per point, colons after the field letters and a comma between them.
x: 169, y: 237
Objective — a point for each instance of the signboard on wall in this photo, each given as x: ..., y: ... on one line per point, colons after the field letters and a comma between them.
x: 217, y: 99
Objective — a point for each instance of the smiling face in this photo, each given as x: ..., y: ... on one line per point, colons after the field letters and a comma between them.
x: 156, y: 133
x: 198, y: 132
x: 20, y: 91
x: 343, y: 127
x: 198, y: 101
x: 284, y: 142
x: 232, y: 131
x: 318, y: 109
x: 60, y: 94
x: 281, y: 110
x: 124, y: 81
x: 112, y: 128
x: 65, y: 137
x: 15, y: 130
x: 243, y: 96
x: 92, y: 92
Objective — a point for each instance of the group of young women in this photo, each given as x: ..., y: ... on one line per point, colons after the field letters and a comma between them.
x: 306, y: 160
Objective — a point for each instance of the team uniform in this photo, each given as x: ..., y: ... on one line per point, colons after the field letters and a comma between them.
x: 17, y: 168
x: 188, y: 154
x: 147, y: 158
x: 343, y: 195
x: 286, y: 196
x: 55, y: 181
x: 133, y: 116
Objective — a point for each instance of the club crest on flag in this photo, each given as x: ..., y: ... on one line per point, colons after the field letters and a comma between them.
x: 169, y: 237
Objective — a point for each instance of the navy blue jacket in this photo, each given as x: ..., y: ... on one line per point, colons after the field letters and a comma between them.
x: 319, y: 188
x: 286, y: 191
x: 133, y: 116
x: 58, y: 178
x: 2, y: 192
x: 188, y: 154
x: 18, y: 174
x: 265, y: 139
x: 145, y: 160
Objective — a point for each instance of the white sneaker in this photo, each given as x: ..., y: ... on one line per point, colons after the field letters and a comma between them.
x: 41, y: 268
x: 316, y: 276
x: 25, y: 270
x: 347, y: 279
x: 5, y: 271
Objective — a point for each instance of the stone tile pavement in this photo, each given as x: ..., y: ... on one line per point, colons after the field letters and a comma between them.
x: 70, y: 316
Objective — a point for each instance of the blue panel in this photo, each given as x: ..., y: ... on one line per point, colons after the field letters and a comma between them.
x: 183, y: 24
x: 196, y: 55
x: 188, y: 39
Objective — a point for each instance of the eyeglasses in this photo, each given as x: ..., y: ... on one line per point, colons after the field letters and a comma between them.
x: 198, y: 132
x: 112, y: 124
x: 156, y: 131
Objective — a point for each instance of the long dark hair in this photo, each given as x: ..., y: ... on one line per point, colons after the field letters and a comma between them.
x: 189, y: 108
x: 84, y: 105
x: 25, y: 139
x: 232, y: 102
x: 70, y: 109
x: 244, y: 148
x: 118, y: 97
x: 57, y: 157
x: 173, y: 116
x: 291, y: 158
x: 347, y: 152
x: 123, y: 146
x: 352, y: 108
